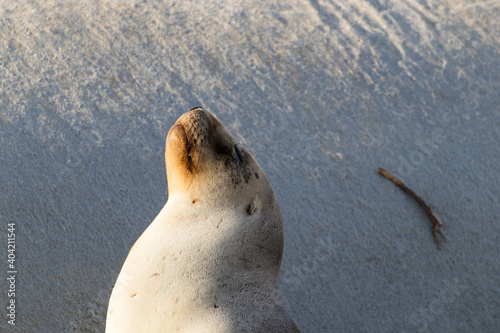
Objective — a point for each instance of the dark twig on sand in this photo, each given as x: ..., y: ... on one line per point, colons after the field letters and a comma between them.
x: 436, y: 222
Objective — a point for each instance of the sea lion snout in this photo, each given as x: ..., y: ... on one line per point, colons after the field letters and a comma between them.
x: 196, y: 123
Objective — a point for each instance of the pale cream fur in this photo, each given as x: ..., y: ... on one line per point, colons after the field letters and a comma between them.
x: 209, y: 262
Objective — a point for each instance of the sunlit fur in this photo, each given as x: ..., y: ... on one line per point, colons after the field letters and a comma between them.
x: 210, y: 260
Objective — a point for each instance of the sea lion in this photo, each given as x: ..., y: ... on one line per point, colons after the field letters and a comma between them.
x: 209, y: 262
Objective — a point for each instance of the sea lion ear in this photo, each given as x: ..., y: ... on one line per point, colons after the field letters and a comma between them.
x: 253, y: 206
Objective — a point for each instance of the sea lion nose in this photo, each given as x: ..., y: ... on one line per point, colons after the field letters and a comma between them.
x: 196, y: 108
x: 194, y: 116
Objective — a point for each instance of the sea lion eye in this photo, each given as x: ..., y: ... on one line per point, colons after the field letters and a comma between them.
x: 239, y: 154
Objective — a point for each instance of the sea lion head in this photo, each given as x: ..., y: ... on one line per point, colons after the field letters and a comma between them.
x: 202, y: 157
x: 210, y: 174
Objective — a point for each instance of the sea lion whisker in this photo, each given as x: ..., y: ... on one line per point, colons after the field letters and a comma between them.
x: 196, y: 164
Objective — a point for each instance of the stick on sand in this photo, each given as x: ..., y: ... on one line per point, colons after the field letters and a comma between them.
x: 436, y: 222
